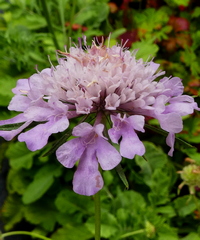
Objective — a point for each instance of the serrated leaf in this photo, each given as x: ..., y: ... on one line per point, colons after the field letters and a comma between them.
x: 19, y: 156
x: 129, y: 198
x: 156, y: 158
x: 159, y: 185
x: 43, y: 180
x: 13, y: 211
x: 37, y: 214
x: 16, y: 181
x: 69, y: 202
x: 185, y: 205
x: 146, y: 49
x: 71, y: 232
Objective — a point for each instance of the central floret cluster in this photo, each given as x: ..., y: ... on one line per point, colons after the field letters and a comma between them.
x: 109, y: 84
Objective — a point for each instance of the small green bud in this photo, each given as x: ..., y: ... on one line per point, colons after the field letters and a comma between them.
x: 150, y: 229
x: 191, y: 175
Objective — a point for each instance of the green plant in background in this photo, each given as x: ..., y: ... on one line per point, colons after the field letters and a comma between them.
x: 39, y: 189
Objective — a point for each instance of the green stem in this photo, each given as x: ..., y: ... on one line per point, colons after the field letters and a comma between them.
x: 23, y: 233
x: 48, y: 19
x: 72, y: 13
x: 97, y: 216
x: 132, y: 233
x: 62, y: 18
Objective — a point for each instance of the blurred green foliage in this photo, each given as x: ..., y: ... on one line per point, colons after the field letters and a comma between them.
x: 39, y: 189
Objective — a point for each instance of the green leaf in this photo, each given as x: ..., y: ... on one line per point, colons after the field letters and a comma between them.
x: 193, y: 154
x: 191, y: 236
x: 72, y: 232
x: 185, y: 205
x: 19, y: 156
x: 146, y: 49
x: 31, y: 21
x: 116, y: 33
x: 167, y: 232
x: 6, y: 84
x: 5, y: 114
x: 12, y: 211
x: 69, y: 202
x: 175, y: 3
x: 196, y: 12
x: 92, y: 15
x: 155, y: 159
x: 109, y: 225
x: 129, y: 198
x: 181, y: 2
x: 166, y: 210
x: 159, y: 185
x: 108, y: 177
x: 17, y: 181
x: 37, y: 214
x: 43, y: 180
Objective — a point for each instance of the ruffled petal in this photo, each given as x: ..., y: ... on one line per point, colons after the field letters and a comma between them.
x: 38, y: 114
x: 8, y: 135
x: 171, y: 122
x: 112, y: 101
x: 37, y: 137
x: 83, y: 106
x: 173, y: 86
x: 70, y: 152
x: 58, y: 125
x: 22, y: 87
x: 107, y: 155
x: 182, y: 108
x: 137, y: 122
x: 82, y: 129
x: 99, y: 130
x: 130, y: 144
x: 19, y: 103
x: 87, y: 179
x: 20, y: 118
x: 114, y: 135
x: 115, y: 132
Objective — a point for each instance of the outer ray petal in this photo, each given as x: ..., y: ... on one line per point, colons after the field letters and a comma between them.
x: 70, y: 152
x: 108, y: 156
x: 87, y: 179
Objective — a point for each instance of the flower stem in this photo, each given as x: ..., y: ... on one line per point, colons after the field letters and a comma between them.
x: 72, y: 14
x: 97, y: 216
x: 132, y: 233
x: 2, y: 236
x: 48, y: 19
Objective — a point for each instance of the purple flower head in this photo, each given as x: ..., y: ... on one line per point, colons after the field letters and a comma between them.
x: 109, y: 88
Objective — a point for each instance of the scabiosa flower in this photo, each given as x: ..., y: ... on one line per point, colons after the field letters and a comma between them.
x: 114, y: 93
